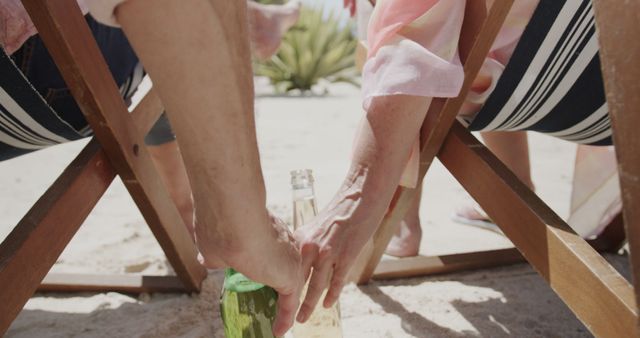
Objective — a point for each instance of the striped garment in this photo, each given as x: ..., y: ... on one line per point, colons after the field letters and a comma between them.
x: 553, y: 83
x: 27, y: 123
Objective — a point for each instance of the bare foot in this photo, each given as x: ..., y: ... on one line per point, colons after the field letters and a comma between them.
x: 267, y: 25
x: 406, y: 241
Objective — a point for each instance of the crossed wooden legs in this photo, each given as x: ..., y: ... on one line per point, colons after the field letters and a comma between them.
x: 595, y: 292
x: 34, y: 245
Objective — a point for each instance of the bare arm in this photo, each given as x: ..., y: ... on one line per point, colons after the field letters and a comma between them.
x: 382, y: 149
x: 197, y: 54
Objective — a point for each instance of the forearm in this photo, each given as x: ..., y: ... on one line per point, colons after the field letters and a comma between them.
x: 381, y: 152
x: 197, y: 54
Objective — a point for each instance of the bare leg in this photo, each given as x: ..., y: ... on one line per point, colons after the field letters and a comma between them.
x: 171, y: 168
x: 406, y: 241
x: 512, y: 148
x: 197, y: 54
x: 267, y: 25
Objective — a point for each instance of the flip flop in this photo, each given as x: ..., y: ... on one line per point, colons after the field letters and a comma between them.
x: 474, y: 216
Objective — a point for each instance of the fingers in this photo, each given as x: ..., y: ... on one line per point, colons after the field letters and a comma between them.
x: 287, y: 306
x: 318, y: 283
x: 337, y: 284
x: 308, y: 254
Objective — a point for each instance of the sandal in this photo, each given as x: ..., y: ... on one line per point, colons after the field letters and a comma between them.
x: 473, y: 215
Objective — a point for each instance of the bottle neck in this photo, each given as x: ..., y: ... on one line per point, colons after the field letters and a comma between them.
x: 305, y: 192
x: 304, y: 202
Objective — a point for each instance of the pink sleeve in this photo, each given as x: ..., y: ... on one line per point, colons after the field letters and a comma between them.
x: 413, y: 49
x: 16, y: 26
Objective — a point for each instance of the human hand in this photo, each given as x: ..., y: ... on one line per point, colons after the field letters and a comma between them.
x: 272, y: 259
x: 15, y: 25
x: 330, y: 244
x: 351, y: 6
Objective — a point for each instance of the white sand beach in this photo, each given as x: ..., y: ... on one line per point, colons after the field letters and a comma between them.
x: 313, y: 132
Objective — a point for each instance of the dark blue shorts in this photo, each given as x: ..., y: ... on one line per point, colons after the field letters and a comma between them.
x: 36, y: 64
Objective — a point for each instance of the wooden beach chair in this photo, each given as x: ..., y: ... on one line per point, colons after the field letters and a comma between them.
x: 31, y: 249
x: 598, y: 295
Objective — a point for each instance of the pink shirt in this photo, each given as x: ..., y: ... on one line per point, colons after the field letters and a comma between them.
x: 16, y: 26
x: 413, y: 50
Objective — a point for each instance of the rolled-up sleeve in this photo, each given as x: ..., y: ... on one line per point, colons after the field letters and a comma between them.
x: 413, y: 49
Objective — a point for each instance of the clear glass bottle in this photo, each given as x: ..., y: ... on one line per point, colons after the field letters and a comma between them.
x: 323, y: 323
x: 247, y: 308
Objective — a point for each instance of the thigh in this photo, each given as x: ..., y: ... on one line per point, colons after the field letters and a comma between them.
x: 37, y: 65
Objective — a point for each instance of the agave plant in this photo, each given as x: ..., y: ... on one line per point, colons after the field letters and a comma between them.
x: 315, y: 49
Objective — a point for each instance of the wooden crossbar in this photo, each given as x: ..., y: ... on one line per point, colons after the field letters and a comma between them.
x: 67, y: 282
x: 71, y: 45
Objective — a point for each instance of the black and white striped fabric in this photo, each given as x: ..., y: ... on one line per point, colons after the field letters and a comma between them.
x: 27, y: 123
x: 553, y: 82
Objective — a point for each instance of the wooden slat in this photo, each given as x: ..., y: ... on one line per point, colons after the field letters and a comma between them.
x: 147, y: 112
x: 599, y: 296
x: 66, y: 282
x: 620, y: 56
x: 431, y: 265
x: 34, y: 245
x: 70, y: 43
x: 441, y: 115
x: 611, y: 240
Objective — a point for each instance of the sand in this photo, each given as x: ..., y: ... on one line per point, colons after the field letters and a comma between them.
x: 294, y: 133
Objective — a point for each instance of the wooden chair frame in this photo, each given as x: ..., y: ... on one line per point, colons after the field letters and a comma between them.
x: 599, y: 296
x: 118, y: 148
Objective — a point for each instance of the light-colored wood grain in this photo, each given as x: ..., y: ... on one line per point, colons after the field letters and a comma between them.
x: 431, y: 265
x: 599, y: 296
x: 68, y: 282
x: 620, y: 57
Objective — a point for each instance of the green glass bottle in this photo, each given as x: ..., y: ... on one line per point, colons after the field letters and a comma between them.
x: 248, y: 309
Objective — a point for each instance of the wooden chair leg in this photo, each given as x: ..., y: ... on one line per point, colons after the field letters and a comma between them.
x: 68, y: 282
x: 34, y: 245
x: 69, y: 41
x: 620, y: 56
x: 570, y: 265
x: 432, y: 265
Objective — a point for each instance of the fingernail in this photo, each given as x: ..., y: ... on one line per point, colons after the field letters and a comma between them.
x: 302, y: 316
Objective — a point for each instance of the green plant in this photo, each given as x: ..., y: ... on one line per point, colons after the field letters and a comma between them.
x: 315, y: 49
